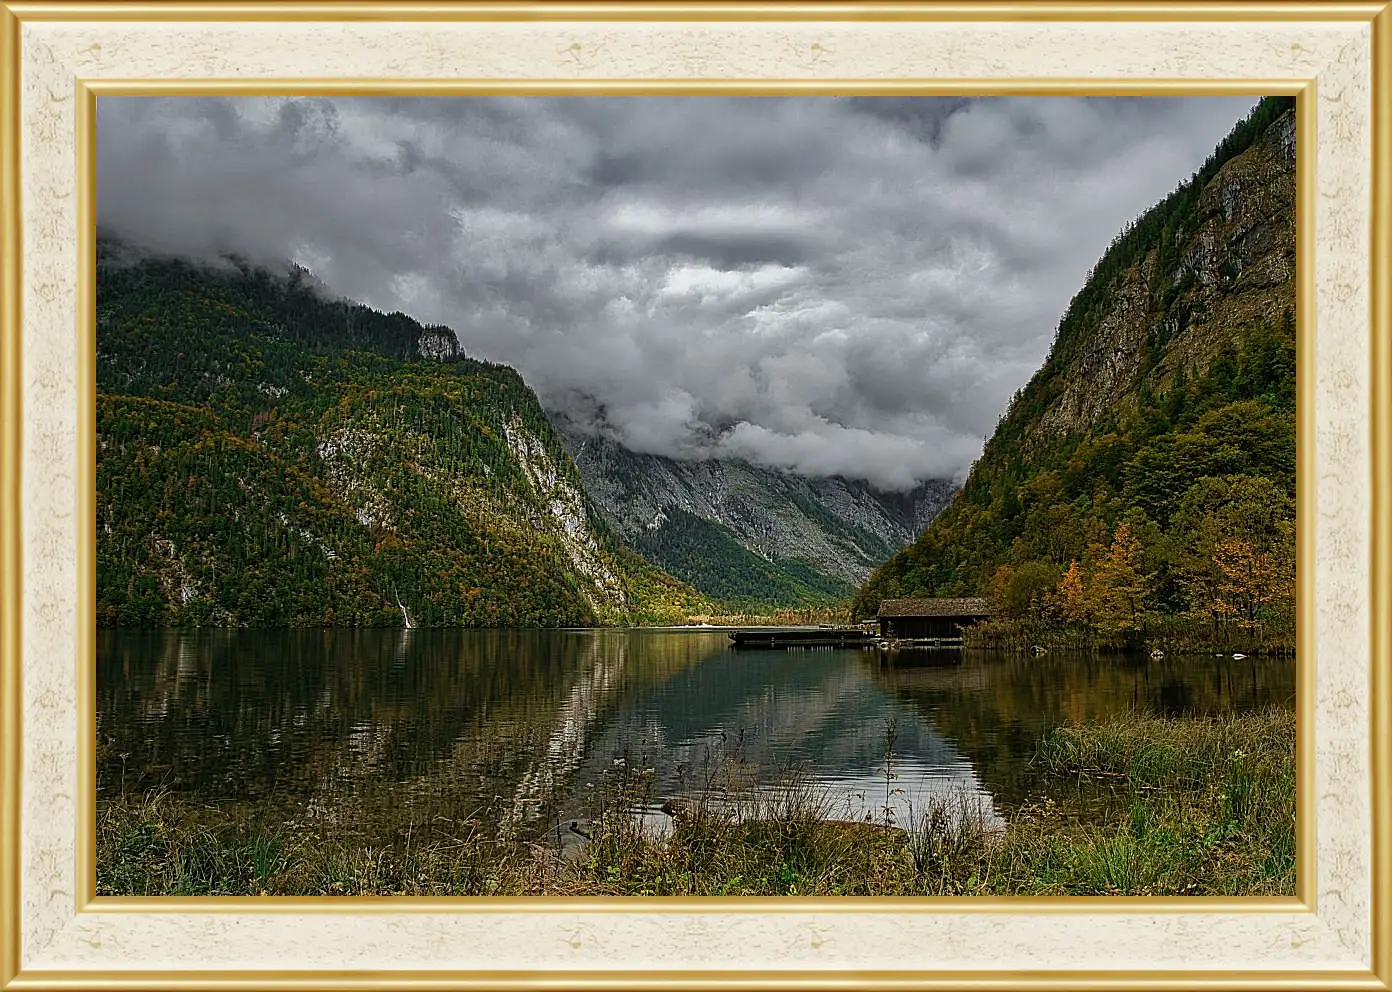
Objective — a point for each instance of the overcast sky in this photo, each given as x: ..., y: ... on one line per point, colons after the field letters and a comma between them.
x: 826, y: 285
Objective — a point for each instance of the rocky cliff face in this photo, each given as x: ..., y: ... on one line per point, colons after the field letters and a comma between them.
x: 842, y: 528
x: 1182, y: 301
x: 565, y: 516
x: 439, y: 343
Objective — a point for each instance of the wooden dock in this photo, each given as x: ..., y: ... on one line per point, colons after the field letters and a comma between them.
x: 803, y: 637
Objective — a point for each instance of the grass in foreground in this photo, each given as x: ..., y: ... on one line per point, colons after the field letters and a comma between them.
x: 1136, y: 805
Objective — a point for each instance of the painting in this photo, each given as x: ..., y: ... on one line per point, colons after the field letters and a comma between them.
x: 696, y: 496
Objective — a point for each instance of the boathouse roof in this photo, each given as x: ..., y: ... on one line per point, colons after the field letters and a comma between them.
x: 961, y: 606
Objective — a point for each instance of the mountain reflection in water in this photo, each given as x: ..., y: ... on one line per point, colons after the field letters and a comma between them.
x: 512, y: 725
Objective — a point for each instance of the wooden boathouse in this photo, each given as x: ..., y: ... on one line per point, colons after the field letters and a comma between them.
x: 930, y: 619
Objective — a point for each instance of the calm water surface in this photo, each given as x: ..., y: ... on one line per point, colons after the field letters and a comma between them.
x: 517, y: 726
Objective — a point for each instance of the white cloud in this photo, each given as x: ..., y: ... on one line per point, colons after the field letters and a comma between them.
x: 826, y: 285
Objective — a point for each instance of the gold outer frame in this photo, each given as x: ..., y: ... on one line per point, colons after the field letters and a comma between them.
x: 697, y: 10
x: 10, y: 418
x: 14, y: 14
x: 1380, y: 328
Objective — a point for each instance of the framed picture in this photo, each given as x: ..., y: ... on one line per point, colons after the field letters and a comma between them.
x: 344, y: 648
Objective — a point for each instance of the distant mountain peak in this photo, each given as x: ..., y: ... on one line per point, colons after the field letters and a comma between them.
x: 801, y: 536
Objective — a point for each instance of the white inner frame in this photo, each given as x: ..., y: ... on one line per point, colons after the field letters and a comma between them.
x: 1336, y: 55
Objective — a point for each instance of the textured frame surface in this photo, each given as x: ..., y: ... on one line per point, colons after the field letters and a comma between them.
x: 58, y: 57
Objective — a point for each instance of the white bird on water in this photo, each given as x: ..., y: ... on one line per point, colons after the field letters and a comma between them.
x: 1238, y: 657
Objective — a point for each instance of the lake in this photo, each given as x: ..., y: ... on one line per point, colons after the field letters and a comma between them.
x: 520, y: 729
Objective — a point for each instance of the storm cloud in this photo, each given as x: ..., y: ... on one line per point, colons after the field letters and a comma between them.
x: 829, y: 286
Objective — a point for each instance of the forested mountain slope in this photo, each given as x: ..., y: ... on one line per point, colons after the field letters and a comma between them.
x: 743, y: 533
x: 268, y: 456
x: 1145, y: 476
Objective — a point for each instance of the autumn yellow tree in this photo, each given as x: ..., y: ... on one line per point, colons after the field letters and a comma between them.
x: 1239, y: 568
x: 1253, y: 582
x: 1072, y: 596
x: 1118, y: 590
x: 1000, y: 587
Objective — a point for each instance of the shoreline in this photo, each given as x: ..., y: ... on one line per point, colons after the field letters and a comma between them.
x: 1132, y: 805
